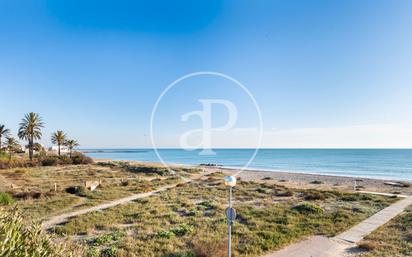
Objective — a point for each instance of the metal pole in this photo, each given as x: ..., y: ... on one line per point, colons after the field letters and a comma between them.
x: 229, y: 239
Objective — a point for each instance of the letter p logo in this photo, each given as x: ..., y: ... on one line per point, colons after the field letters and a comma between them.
x: 207, y: 130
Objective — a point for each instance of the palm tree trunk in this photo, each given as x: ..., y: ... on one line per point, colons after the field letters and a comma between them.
x: 1, y: 150
x: 70, y: 153
x: 31, y: 149
x: 9, y: 155
x: 59, y: 148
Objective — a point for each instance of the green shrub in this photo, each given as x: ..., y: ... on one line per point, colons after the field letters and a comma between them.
x: 54, y: 160
x: 17, y: 240
x: 165, y: 234
x: 6, y: 199
x: 308, y: 208
x: 64, y: 159
x: 92, y: 252
x: 49, y: 161
x: 314, y: 195
x: 182, y: 230
x: 147, y: 169
x: 115, y: 236
x: 286, y: 193
x: 79, y: 158
x: 109, y: 252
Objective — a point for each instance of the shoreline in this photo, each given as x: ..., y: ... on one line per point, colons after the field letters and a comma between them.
x: 298, y: 180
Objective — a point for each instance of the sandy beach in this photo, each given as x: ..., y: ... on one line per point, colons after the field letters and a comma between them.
x: 306, y: 181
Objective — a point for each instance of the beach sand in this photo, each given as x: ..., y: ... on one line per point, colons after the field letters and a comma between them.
x: 303, y: 180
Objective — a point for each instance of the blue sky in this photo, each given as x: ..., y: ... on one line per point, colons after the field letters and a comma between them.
x: 324, y: 73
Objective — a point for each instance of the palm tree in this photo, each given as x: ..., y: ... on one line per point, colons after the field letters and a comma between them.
x: 3, y: 133
x: 30, y: 130
x: 71, y: 144
x: 58, y: 137
x: 11, y: 145
x: 38, y: 147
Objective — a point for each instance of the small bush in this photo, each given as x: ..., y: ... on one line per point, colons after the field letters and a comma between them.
x: 20, y: 171
x: 92, y: 252
x: 262, y: 190
x: 165, y: 234
x: 147, y: 169
x: 64, y: 159
x: 109, y: 252
x: 314, y: 195
x: 50, y: 161
x: 209, y: 247
x: 317, y: 182
x: 32, y: 195
x: 308, y: 208
x: 115, y: 236
x: 182, y: 230
x: 368, y: 245
x: 207, y: 205
x: 77, y: 190
x: 18, y: 240
x: 79, y: 158
x: 286, y: 193
x: 6, y: 199
x: 17, y: 163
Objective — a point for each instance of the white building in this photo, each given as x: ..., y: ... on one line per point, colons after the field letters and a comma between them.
x: 55, y: 148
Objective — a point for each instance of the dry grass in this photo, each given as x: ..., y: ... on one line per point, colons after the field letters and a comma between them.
x: 34, y: 188
x: 189, y: 220
x: 392, y: 239
x: 185, y: 221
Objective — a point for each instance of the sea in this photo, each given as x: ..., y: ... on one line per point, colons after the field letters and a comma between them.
x: 394, y: 164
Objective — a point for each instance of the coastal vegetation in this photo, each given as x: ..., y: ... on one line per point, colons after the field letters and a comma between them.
x: 13, y: 155
x: 187, y: 220
x: 18, y: 239
x: 30, y: 130
x: 4, y: 132
x: 179, y: 221
x: 392, y: 239
x: 58, y: 138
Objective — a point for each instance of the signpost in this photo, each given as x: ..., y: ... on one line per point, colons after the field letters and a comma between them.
x: 230, y: 181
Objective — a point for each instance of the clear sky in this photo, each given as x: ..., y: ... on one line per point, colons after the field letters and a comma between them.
x: 324, y: 73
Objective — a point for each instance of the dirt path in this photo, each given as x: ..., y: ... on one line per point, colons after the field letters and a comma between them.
x: 53, y: 221
x: 319, y: 246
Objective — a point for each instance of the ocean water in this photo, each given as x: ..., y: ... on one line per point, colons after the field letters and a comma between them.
x: 393, y: 164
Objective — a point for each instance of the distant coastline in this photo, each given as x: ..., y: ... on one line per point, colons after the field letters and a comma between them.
x: 386, y: 164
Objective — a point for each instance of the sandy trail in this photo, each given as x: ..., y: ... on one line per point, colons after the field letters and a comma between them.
x: 58, y: 219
